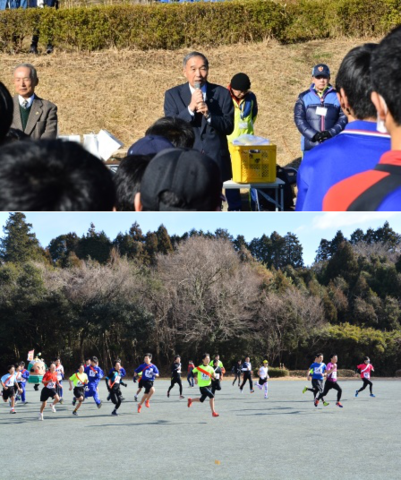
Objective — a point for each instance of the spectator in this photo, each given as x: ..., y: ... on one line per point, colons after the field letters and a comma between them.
x: 209, y: 110
x: 127, y: 180
x: 175, y: 130
x: 6, y: 111
x: 52, y: 175
x: 317, y: 112
x: 149, y: 145
x: 379, y: 188
x: 245, y: 113
x: 358, y: 147
x: 180, y: 179
x: 33, y: 115
x: 35, y: 39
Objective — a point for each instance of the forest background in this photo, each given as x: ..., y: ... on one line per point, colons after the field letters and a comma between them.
x: 201, y: 291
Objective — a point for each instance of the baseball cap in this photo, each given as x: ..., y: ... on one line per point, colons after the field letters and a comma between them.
x: 193, y: 177
x: 149, y: 145
x: 265, y: 361
x: 321, y: 70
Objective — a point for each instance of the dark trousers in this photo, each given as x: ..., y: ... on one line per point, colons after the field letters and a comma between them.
x: 247, y: 376
x: 173, y: 382
x: 115, y: 397
x: 366, y: 382
x: 327, y: 387
x: 317, y: 387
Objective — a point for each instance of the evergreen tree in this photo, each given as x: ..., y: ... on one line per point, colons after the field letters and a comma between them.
x: 60, y: 247
x: 293, y: 251
x: 164, y: 245
x: 19, y: 244
x: 323, y: 252
x: 94, y: 245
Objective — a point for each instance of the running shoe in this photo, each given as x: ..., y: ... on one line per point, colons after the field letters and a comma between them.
x: 61, y: 401
x: 356, y: 393
x: 99, y: 405
x: 40, y: 416
x: 24, y: 403
x: 372, y: 395
x: 305, y: 390
x: 13, y: 410
x: 75, y: 413
x: 326, y: 404
x: 147, y: 404
x: 17, y: 398
x: 241, y: 391
x: 122, y: 399
x: 36, y: 388
x: 266, y: 396
x: 316, y: 402
x: 215, y: 414
x: 339, y: 405
x: 252, y: 391
x: 190, y: 401
x: 53, y: 408
x: 74, y: 401
x: 114, y: 412
x: 139, y: 408
x: 108, y: 398
x: 181, y: 397
x: 168, y: 394
x: 136, y: 397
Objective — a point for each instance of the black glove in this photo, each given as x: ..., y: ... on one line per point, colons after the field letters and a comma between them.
x: 321, y: 136
x: 316, y: 137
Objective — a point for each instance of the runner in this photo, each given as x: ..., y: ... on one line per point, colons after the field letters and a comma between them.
x: 190, y: 376
x: 263, y: 377
x: 218, y: 376
x: 316, y: 370
x: 247, y: 373
x: 176, y: 375
x: 22, y: 377
x: 113, y: 382
x: 9, y: 384
x: 140, y: 385
x: 366, y: 367
x: 95, y: 374
x: 149, y: 373
x: 204, y: 374
x: 79, y: 379
x: 331, y: 382
x: 122, y: 374
x: 60, y: 376
x: 50, y: 383
x: 237, y: 371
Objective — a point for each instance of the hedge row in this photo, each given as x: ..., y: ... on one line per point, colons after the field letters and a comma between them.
x: 274, y: 372
x: 341, y: 373
x: 174, y: 26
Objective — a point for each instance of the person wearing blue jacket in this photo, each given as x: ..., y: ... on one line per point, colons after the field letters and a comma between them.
x: 22, y: 377
x: 121, y: 372
x: 317, y: 113
x: 358, y: 147
x: 95, y: 374
x: 149, y: 373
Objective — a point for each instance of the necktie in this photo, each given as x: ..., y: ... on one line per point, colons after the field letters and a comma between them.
x: 25, y: 104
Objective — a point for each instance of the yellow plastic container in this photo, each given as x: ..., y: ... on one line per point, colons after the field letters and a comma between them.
x: 253, y: 163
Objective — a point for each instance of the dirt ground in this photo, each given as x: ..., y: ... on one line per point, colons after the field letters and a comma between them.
x: 123, y: 91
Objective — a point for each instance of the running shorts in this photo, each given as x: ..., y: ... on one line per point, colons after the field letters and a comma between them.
x: 47, y: 393
x: 205, y: 392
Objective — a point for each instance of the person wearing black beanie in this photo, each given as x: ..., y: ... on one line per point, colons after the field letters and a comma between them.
x: 245, y: 113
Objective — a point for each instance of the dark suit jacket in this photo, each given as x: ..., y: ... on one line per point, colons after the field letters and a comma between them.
x: 210, y: 138
x: 42, y: 121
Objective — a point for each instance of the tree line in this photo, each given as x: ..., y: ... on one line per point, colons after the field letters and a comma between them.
x: 92, y: 295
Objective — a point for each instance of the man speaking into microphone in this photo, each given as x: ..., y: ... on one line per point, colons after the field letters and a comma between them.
x: 208, y: 108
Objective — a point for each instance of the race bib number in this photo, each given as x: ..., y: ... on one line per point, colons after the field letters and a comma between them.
x: 334, y: 375
x: 217, y: 376
x: 205, y: 377
x: 366, y: 375
x: 51, y: 385
x: 243, y: 125
x: 92, y: 373
x: 148, y: 373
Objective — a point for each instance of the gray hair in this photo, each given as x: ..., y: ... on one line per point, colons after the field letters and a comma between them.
x: 32, y: 70
x: 195, y: 54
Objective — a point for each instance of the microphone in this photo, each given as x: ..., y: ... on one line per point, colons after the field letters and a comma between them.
x: 197, y: 85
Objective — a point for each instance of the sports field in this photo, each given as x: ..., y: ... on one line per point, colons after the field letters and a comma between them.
x: 284, y: 437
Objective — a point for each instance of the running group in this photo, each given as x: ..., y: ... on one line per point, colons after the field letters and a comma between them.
x: 207, y: 375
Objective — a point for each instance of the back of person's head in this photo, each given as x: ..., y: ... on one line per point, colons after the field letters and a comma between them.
x: 177, y: 131
x: 386, y: 72
x: 15, y: 135
x: 354, y: 77
x: 127, y: 180
x: 6, y: 111
x: 179, y: 179
x: 149, y: 145
x: 53, y: 175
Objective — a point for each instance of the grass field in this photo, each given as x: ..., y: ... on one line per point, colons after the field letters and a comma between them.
x: 123, y: 91
x: 284, y: 437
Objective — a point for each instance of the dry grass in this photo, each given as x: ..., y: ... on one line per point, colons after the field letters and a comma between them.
x: 123, y: 91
